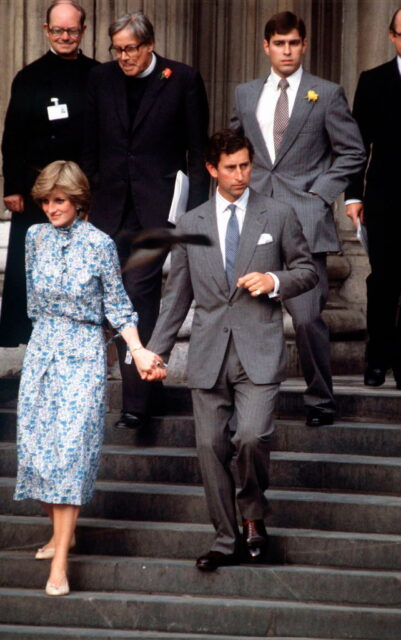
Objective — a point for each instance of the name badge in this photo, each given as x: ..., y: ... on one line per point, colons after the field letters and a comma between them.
x: 57, y: 111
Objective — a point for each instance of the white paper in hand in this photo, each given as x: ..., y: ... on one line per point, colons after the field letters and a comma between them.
x: 362, y: 236
x: 180, y: 198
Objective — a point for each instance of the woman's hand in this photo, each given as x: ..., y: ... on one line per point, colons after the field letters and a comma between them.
x: 150, y: 366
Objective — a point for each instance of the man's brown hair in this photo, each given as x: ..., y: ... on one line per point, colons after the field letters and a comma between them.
x: 283, y: 23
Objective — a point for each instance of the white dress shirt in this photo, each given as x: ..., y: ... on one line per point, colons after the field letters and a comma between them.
x: 267, y: 105
x: 223, y: 214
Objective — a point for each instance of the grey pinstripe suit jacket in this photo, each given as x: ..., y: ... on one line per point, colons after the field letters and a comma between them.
x: 321, y: 150
x: 255, y: 323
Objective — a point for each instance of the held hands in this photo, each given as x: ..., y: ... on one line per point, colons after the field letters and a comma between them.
x: 256, y: 283
x: 149, y: 365
x: 14, y: 203
x: 355, y: 211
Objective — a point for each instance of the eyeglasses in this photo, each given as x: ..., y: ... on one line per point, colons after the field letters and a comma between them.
x: 71, y: 32
x: 130, y: 50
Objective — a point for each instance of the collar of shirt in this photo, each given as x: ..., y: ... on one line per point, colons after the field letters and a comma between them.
x: 59, y: 56
x: 294, y: 80
x: 399, y: 64
x: 267, y: 105
x: 223, y: 215
x: 150, y: 68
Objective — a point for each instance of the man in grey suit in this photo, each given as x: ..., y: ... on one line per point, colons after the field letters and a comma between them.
x: 307, y: 147
x: 236, y: 357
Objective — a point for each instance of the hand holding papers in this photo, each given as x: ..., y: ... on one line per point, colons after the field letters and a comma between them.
x: 180, y: 198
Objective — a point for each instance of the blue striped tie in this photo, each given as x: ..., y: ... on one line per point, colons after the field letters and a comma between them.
x: 232, y: 242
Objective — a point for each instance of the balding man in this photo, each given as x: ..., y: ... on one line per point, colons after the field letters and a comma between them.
x: 44, y: 122
x: 374, y: 197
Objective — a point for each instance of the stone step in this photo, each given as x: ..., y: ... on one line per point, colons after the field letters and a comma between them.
x: 287, y: 469
x: 290, y: 435
x: 207, y: 615
x: 119, y: 573
x: 379, y: 513
x: 25, y: 632
x: 354, y: 400
x: 186, y: 541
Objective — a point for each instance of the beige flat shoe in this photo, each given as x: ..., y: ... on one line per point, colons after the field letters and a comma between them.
x: 47, y: 553
x: 53, y: 590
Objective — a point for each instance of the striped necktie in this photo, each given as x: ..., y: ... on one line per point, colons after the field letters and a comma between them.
x: 281, y: 116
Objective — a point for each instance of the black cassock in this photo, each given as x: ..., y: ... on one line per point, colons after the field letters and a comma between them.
x: 30, y: 142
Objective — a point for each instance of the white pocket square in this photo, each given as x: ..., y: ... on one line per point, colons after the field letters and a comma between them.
x: 264, y: 238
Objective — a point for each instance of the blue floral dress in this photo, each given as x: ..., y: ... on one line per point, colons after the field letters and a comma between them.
x: 73, y: 283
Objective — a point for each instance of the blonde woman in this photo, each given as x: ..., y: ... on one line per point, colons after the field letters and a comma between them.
x: 73, y: 283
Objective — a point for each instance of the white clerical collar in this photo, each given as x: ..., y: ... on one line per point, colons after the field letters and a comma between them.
x: 399, y: 64
x: 293, y: 79
x: 241, y: 203
x: 59, y: 56
x: 150, y: 68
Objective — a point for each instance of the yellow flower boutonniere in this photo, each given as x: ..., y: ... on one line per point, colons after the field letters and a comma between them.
x: 312, y: 96
x: 165, y: 74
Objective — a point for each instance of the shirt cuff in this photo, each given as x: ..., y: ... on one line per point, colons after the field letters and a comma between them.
x: 352, y: 201
x: 276, y: 290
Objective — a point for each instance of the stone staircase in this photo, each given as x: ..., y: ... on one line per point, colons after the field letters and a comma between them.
x: 334, y: 570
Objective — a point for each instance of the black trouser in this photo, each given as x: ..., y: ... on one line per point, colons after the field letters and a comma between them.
x: 384, y: 285
x: 143, y: 285
x: 15, y: 326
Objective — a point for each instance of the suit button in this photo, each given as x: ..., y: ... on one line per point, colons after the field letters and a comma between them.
x: 225, y: 329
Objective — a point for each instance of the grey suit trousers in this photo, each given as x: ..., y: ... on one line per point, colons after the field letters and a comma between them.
x: 213, y: 409
x: 313, y: 340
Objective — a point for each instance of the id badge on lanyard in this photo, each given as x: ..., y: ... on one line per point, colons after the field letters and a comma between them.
x: 57, y: 111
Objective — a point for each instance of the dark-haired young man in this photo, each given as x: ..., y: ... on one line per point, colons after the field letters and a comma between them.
x: 307, y: 147
x: 44, y: 122
x: 374, y: 196
x: 236, y: 355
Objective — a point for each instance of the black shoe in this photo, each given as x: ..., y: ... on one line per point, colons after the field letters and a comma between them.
x: 316, y: 418
x: 374, y: 376
x: 130, y: 421
x: 214, y: 559
x: 397, y: 377
x: 254, y: 540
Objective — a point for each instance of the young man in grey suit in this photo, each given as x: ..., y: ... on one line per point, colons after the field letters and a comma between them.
x: 307, y: 147
x: 236, y: 357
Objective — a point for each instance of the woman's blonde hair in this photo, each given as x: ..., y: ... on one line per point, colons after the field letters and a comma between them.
x: 67, y: 176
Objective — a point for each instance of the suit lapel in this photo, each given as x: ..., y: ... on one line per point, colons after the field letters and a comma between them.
x: 213, y: 257
x: 119, y: 91
x: 255, y: 132
x: 251, y: 230
x: 300, y: 112
x: 395, y: 82
x: 156, y: 85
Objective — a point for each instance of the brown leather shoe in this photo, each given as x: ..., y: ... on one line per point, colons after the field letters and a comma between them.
x: 254, y: 539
